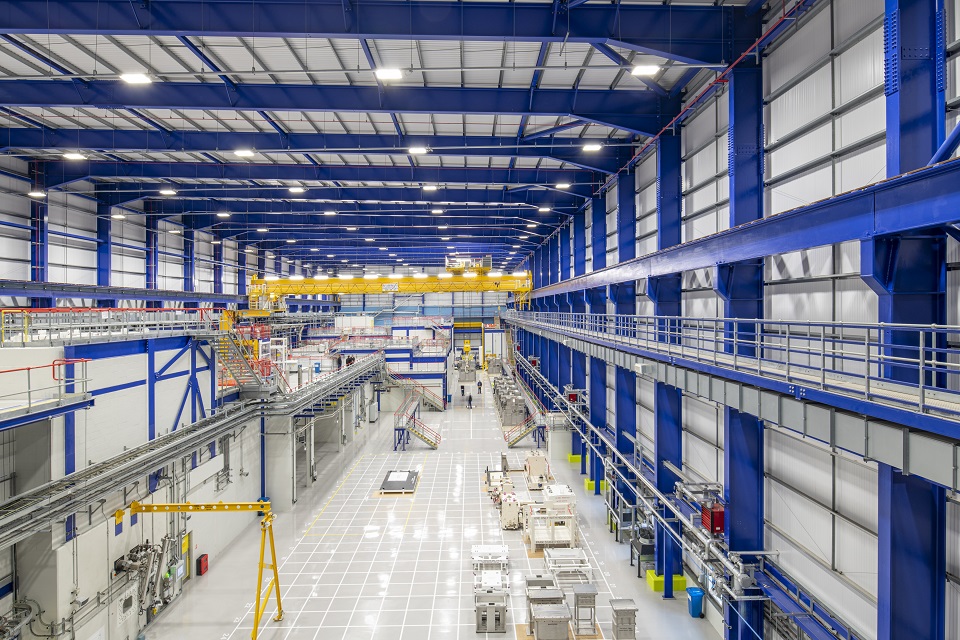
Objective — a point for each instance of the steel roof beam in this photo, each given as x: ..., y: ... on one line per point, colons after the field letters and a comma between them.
x: 638, y: 112
x: 607, y: 160
x: 120, y: 193
x: 60, y: 173
x: 688, y: 34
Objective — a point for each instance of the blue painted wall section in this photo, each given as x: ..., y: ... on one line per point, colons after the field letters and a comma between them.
x: 598, y: 416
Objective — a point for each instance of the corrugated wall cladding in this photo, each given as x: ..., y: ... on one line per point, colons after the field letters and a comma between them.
x: 821, y: 513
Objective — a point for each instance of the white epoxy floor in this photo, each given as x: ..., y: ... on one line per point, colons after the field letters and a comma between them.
x: 357, y: 567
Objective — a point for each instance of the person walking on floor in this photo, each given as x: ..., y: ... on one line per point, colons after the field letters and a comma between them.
x: 469, y: 401
x: 461, y: 391
x: 479, y: 386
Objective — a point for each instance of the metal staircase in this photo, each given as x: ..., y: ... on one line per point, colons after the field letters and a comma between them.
x: 411, y: 385
x: 522, y: 430
x: 406, y: 424
x: 236, y: 360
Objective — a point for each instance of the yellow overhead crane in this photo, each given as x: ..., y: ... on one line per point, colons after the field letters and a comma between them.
x: 267, y: 295
x: 266, y: 536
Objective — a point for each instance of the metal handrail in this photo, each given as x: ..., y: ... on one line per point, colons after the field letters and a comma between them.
x: 25, y: 327
x: 27, y: 394
x: 899, y: 364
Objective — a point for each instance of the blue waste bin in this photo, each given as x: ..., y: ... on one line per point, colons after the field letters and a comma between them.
x: 695, y: 602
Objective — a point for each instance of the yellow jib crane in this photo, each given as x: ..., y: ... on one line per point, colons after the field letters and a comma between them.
x: 266, y: 535
x: 267, y: 296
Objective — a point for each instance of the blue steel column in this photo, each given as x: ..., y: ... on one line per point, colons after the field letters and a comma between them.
x: 577, y: 304
x: 242, y: 274
x: 189, y: 262
x: 597, y: 299
x: 104, y: 251
x: 39, y: 234
x: 740, y: 286
x: 914, y: 55
x: 152, y: 246
x: 218, y: 272
x: 908, y: 273
x: 912, y: 557
x: 665, y: 292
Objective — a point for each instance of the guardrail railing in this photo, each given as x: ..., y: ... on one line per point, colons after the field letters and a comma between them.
x: 25, y: 389
x: 24, y: 327
x: 913, y: 366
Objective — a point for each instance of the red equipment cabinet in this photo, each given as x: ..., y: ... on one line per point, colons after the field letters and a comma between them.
x: 203, y: 564
x: 711, y: 517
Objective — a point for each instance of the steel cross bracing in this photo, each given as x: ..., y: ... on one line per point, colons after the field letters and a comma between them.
x: 38, y: 509
x: 848, y: 363
x: 724, y: 566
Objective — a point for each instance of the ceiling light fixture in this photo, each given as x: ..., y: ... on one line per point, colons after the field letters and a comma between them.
x: 417, y: 151
x: 248, y: 250
x: 72, y: 155
x: 369, y: 239
x: 563, y: 185
x: 429, y: 187
x: 175, y: 232
x: 351, y: 228
x: 223, y: 214
x: 393, y: 255
x: 262, y: 229
x: 37, y: 194
x: 331, y: 255
x: 296, y: 189
x: 344, y: 261
x: 243, y: 153
x: 291, y: 241
x: 383, y: 248
x: 443, y: 226
x: 644, y: 70
x: 167, y: 192
x: 592, y: 146
x: 531, y: 226
x: 436, y: 212
x: 136, y: 78
x: 214, y: 242
x: 388, y: 73
x: 118, y: 216
x: 315, y: 250
x: 329, y: 213
x: 445, y: 237
x: 544, y: 209
x: 523, y: 237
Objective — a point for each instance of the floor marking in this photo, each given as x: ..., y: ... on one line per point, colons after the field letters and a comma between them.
x: 334, y: 494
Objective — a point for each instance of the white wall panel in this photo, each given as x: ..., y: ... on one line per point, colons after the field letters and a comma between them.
x: 851, y: 17
x: 796, y: 53
x: 800, y: 105
x: 859, y: 68
x: 808, y: 188
x: 861, y: 168
x: 861, y: 122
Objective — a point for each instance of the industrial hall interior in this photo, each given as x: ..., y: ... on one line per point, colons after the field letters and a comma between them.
x: 479, y: 319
